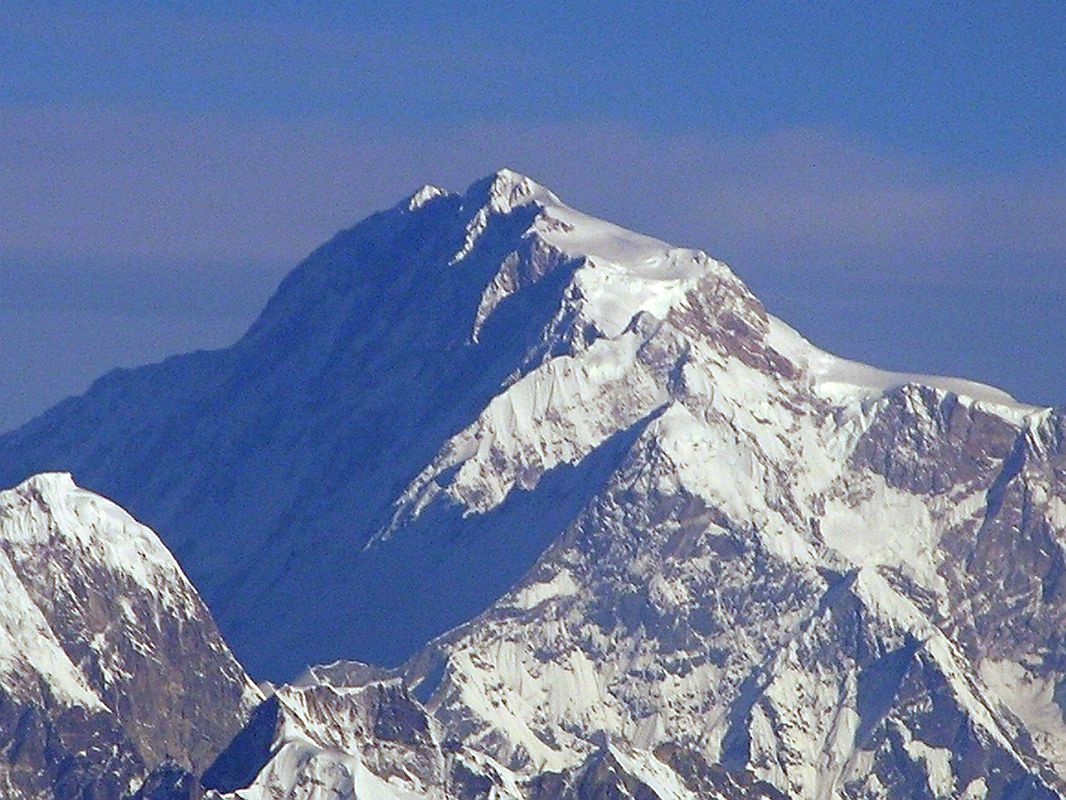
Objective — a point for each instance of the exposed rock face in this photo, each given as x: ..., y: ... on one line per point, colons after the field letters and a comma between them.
x: 170, y: 781
x: 619, y: 531
x: 109, y: 662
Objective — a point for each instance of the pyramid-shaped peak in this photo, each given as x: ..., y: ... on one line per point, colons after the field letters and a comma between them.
x: 509, y: 177
x: 506, y: 189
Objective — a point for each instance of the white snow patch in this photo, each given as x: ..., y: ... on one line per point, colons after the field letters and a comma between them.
x: 937, y: 761
x: 556, y: 414
x: 29, y: 647
x: 656, y: 775
x: 1057, y: 513
x: 880, y: 525
x: 1032, y: 700
x: 561, y: 584
x: 50, y: 508
x: 842, y: 380
x: 623, y: 272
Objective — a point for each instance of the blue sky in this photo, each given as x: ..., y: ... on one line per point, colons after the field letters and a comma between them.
x: 891, y: 178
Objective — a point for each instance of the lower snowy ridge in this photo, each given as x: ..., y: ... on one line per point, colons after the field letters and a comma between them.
x: 373, y: 740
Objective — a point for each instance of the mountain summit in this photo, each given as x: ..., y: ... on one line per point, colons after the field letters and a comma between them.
x: 288, y: 460
x: 604, y: 515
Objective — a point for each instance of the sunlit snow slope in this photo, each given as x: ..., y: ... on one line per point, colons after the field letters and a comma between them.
x: 681, y: 543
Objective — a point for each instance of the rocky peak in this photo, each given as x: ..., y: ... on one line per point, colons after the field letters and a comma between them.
x: 102, y: 637
x: 505, y: 190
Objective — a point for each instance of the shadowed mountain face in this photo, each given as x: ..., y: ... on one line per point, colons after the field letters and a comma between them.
x: 661, y: 544
x: 271, y: 464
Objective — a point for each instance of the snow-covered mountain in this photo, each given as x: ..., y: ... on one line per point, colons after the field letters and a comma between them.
x: 348, y: 730
x: 110, y: 664
x: 617, y: 530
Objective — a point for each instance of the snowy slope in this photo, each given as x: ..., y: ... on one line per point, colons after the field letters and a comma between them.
x: 688, y: 553
x: 789, y: 575
x: 371, y: 373
x: 618, y: 531
x: 109, y: 662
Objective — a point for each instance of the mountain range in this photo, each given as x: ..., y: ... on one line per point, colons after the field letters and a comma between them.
x: 513, y: 502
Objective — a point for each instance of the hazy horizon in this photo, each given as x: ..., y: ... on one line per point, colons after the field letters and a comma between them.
x: 890, y: 181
